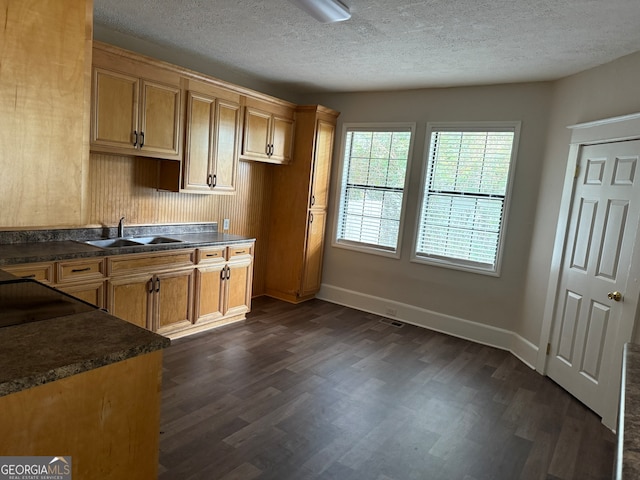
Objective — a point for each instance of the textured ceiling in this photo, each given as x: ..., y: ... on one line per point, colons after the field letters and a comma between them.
x: 389, y: 44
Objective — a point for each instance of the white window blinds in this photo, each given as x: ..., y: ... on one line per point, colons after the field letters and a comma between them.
x: 463, y: 205
x: 372, y: 187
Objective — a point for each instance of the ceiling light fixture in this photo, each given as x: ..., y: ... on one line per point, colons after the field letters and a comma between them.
x: 325, y: 11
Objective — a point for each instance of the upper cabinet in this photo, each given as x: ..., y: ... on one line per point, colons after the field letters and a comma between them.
x: 212, y: 142
x: 136, y: 106
x: 268, y: 131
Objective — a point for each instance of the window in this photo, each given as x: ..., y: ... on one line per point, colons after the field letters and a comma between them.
x: 465, y: 195
x: 374, y: 167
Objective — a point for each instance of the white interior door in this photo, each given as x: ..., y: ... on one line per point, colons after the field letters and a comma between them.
x: 590, y: 328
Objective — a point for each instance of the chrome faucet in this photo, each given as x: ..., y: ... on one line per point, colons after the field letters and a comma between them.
x: 121, y: 228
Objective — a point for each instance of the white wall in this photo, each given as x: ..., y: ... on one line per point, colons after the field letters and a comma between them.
x: 606, y: 91
x: 515, y: 301
x: 426, y: 294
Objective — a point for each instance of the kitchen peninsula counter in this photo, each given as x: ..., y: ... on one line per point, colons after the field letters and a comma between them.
x: 78, y: 382
x: 50, y: 349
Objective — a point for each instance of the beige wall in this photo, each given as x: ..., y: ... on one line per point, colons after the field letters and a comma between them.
x: 606, y: 91
x: 479, y: 298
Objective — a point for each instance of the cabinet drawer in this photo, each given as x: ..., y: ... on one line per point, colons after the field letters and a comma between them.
x: 238, y: 250
x: 42, y: 272
x: 210, y: 255
x: 80, y: 270
x: 145, y: 262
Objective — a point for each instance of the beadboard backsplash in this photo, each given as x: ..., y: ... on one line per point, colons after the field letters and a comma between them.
x: 125, y: 186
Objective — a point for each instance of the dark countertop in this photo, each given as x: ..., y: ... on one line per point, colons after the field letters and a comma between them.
x: 46, y: 251
x: 56, y: 345
x: 50, y: 349
x: 628, y: 454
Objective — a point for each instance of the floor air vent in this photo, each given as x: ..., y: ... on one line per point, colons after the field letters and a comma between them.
x: 393, y: 323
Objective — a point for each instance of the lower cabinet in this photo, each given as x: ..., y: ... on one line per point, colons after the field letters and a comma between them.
x: 84, y: 279
x: 153, y: 290
x: 159, y: 302
x: 172, y: 292
x: 223, y: 283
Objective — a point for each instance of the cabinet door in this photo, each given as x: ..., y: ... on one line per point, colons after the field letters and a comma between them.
x: 256, y: 133
x: 322, y: 165
x: 114, y: 109
x: 281, y: 139
x: 208, y: 298
x: 238, y: 287
x: 90, y: 292
x: 312, y: 268
x: 172, y: 305
x: 129, y: 298
x: 225, y: 145
x: 160, y: 119
x: 197, y: 158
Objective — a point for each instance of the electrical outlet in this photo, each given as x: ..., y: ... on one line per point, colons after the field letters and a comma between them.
x: 225, y: 224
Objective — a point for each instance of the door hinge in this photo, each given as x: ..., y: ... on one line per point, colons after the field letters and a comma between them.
x: 548, y: 348
x: 575, y: 175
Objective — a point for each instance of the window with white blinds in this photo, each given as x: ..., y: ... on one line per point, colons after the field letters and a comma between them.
x: 374, y: 167
x: 465, y: 196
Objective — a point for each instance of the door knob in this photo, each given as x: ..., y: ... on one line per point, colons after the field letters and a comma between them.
x: 617, y: 296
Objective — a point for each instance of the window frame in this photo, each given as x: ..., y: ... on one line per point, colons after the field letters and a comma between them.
x: 339, y: 198
x: 483, y: 126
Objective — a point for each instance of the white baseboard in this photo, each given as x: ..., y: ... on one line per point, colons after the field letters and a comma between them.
x: 500, y: 338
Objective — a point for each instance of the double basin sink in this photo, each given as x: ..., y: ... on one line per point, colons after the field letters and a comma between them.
x: 131, y: 242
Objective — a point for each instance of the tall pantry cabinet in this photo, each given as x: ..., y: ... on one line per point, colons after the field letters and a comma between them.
x: 298, y: 208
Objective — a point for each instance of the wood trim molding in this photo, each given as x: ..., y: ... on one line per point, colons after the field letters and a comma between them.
x: 190, y: 74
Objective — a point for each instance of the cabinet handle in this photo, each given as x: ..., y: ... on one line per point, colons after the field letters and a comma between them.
x: 209, y: 180
x: 33, y: 275
x: 141, y: 139
x: 239, y: 252
x: 311, y: 218
x: 228, y: 273
x: 211, y: 255
x: 223, y: 274
x: 76, y: 270
x: 157, y: 285
x: 135, y: 141
x: 313, y: 200
x: 151, y: 285
x: 215, y: 181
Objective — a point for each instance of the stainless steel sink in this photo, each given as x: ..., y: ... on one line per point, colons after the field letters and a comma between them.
x: 113, y: 243
x: 131, y: 242
x: 155, y: 240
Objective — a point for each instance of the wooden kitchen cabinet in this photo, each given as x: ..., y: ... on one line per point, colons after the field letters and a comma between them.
x: 84, y: 278
x: 152, y: 290
x: 135, y: 106
x: 223, y: 283
x: 42, y: 272
x: 299, y: 201
x: 212, y: 143
x: 268, y: 134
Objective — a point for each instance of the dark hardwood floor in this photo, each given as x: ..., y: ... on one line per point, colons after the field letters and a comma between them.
x: 319, y: 391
